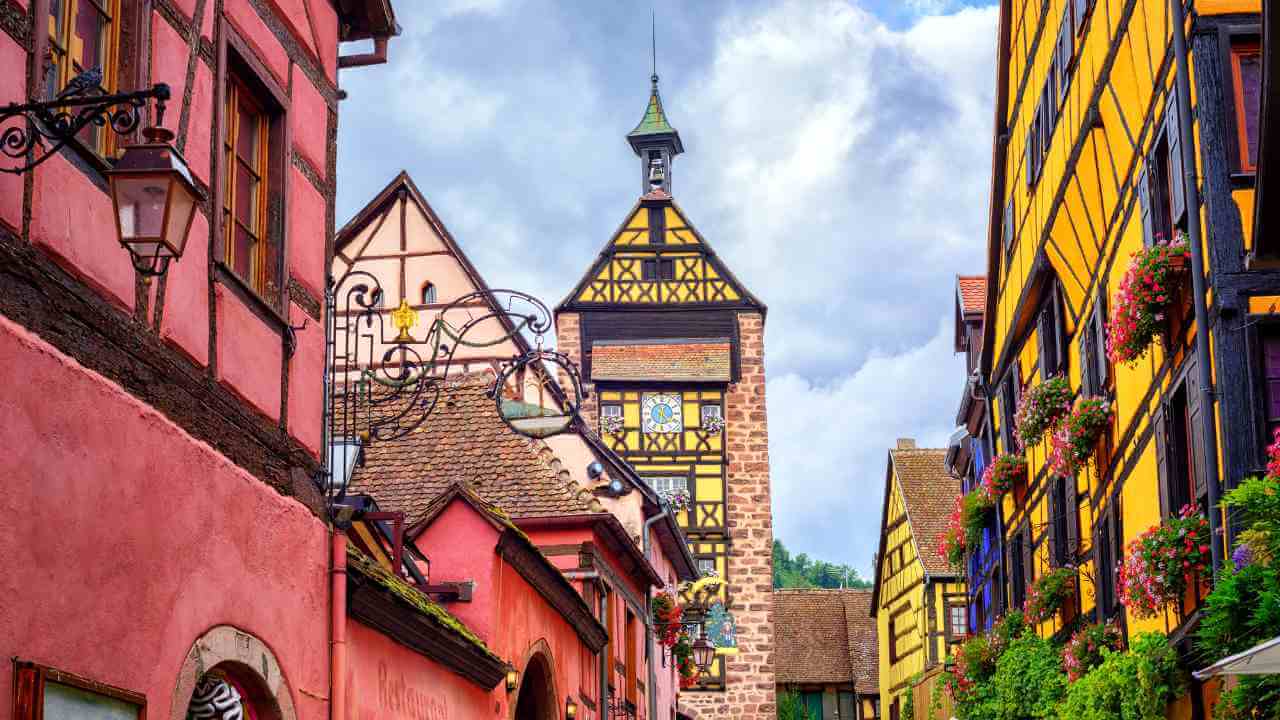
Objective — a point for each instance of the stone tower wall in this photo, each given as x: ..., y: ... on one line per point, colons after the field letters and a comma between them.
x: 749, y: 687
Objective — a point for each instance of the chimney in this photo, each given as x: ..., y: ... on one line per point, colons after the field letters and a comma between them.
x: 906, y: 444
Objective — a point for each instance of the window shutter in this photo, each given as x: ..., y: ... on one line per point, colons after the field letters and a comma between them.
x: 1029, y: 152
x: 1160, y: 424
x: 1177, y: 185
x: 1102, y: 368
x: 1064, y: 49
x: 1195, y: 415
x: 1006, y: 227
x: 1087, y: 363
x: 1051, y: 529
x: 1028, y: 561
x: 1143, y: 190
x: 1072, y: 503
x: 1081, y: 8
x: 1043, y: 344
x: 1060, y: 328
x: 1102, y: 568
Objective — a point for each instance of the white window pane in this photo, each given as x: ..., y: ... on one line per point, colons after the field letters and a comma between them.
x: 611, y: 410
x: 710, y: 411
x: 64, y: 702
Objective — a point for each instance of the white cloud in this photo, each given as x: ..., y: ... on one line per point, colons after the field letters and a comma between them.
x: 828, y: 444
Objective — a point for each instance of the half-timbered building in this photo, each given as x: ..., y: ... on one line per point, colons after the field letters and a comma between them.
x: 672, y: 345
x: 918, y: 600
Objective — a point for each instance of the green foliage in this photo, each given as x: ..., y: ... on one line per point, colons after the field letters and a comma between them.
x: 791, y: 707
x: 1049, y: 593
x: 1028, y: 681
x: 974, y: 510
x: 909, y: 702
x: 1242, y: 611
x: 1255, y: 697
x: 1256, y: 501
x: 802, y: 572
x: 1134, y: 685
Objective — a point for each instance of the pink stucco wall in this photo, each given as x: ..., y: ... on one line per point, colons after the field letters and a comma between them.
x: 12, y: 86
x: 126, y: 539
x: 388, y: 681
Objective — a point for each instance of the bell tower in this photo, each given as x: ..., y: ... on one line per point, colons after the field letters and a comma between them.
x: 672, y: 345
x: 656, y: 143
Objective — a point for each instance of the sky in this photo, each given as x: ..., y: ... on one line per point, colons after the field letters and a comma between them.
x: 837, y: 156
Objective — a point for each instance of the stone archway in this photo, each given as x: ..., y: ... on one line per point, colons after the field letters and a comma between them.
x: 536, y: 697
x: 225, y: 668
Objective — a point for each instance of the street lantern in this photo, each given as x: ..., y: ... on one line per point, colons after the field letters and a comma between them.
x: 570, y: 708
x: 155, y: 201
x: 703, y: 652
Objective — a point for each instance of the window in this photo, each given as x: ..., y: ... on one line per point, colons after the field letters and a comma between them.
x: 1095, y: 370
x: 1058, y: 554
x: 957, y: 622
x: 428, y: 294
x: 1079, y: 12
x: 669, y: 484
x: 1270, y: 381
x: 1010, y: 393
x: 248, y: 249
x: 708, y: 412
x: 1052, y: 334
x: 83, y: 34
x: 1160, y: 185
x: 1178, y: 454
x: 1246, y: 72
x: 706, y: 566
x: 893, y: 638
x: 42, y: 692
x: 632, y: 661
x: 1006, y: 229
x: 1108, y: 549
x: 652, y: 270
x: 1054, y: 92
x: 1017, y: 571
x: 658, y: 214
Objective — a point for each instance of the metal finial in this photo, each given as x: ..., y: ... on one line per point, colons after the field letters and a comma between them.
x: 653, y: 37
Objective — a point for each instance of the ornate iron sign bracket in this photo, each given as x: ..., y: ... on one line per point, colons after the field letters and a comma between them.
x: 45, y: 127
x: 383, y: 383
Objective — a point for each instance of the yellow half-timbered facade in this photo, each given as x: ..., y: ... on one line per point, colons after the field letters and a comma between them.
x: 671, y: 345
x: 1108, y: 143
x: 918, y: 601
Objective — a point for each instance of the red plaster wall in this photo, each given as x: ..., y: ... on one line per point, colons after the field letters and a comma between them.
x: 187, y: 297
x: 306, y: 406
x: 454, y: 559
x: 126, y: 539
x: 13, y: 84
x: 249, y: 354
x: 388, y: 681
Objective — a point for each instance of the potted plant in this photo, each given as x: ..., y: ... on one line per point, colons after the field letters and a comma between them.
x: 1041, y: 408
x: 1076, y: 437
x: 1163, y: 562
x: 713, y: 425
x: 1050, y: 593
x: 611, y: 424
x: 1003, y: 475
x: 1083, y: 652
x: 975, y: 508
x: 951, y: 541
x: 682, y: 652
x: 1146, y: 290
x: 667, y: 615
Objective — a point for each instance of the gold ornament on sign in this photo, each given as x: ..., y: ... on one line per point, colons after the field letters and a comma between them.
x: 403, y: 318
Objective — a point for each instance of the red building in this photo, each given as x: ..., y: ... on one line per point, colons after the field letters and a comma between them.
x: 436, y: 476
x: 166, y: 546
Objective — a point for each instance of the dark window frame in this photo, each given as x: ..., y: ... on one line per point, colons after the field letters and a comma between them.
x: 29, y: 683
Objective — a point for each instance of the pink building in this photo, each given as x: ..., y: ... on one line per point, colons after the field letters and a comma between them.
x: 167, y: 547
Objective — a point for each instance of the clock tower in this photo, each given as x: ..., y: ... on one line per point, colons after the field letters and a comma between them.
x: 672, y: 345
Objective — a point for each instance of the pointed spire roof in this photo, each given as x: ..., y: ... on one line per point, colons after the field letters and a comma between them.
x: 654, y: 124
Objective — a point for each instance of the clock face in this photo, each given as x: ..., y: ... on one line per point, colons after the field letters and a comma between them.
x: 661, y: 413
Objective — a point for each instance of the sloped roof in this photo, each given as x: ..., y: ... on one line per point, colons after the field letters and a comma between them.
x: 654, y: 121
x: 972, y: 291
x: 464, y: 440
x: 825, y: 637
x: 929, y: 494
x: 701, y: 361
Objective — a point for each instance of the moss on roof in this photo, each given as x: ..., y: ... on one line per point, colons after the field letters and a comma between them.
x: 370, y: 569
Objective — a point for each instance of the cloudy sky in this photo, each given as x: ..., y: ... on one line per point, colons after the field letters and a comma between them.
x: 837, y: 156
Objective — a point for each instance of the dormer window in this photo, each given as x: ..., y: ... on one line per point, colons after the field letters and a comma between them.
x: 428, y: 294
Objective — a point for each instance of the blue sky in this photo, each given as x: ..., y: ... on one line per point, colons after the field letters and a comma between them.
x: 837, y: 156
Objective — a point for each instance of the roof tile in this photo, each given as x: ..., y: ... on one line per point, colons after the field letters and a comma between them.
x: 929, y: 493
x: 825, y: 637
x: 973, y: 293
x: 707, y: 361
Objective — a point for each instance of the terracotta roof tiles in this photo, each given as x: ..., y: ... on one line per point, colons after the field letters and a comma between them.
x: 973, y: 293
x: 825, y: 637
x: 930, y: 494
x: 703, y: 361
x: 464, y: 440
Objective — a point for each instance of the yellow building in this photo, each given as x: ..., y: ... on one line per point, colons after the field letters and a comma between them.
x: 918, y: 601
x: 1089, y: 169
x: 672, y: 346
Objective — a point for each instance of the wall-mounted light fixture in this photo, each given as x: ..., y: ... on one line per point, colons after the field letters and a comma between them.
x: 513, y: 679
x: 570, y: 708
x: 155, y: 201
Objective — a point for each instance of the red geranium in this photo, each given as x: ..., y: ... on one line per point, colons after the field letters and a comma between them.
x: 1163, y: 562
x: 1138, y: 306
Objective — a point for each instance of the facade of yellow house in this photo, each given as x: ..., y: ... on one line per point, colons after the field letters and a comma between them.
x: 1089, y: 169
x: 918, y: 601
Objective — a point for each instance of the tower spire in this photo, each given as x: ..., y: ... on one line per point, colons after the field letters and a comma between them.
x: 654, y: 140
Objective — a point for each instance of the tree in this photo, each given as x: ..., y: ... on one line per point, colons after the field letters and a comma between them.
x: 800, y: 571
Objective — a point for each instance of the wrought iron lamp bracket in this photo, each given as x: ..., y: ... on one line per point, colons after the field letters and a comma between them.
x: 47, y: 126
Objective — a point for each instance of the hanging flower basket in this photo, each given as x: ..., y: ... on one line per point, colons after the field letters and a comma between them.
x: 713, y: 425
x: 975, y: 508
x: 1083, y: 652
x: 1050, y: 593
x: 1163, y: 562
x: 667, y: 615
x: 682, y: 652
x: 1076, y: 437
x: 1147, y: 289
x: 611, y: 424
x: 1002, y: 475
x: 951, y: 541
x: 1041, y: 408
